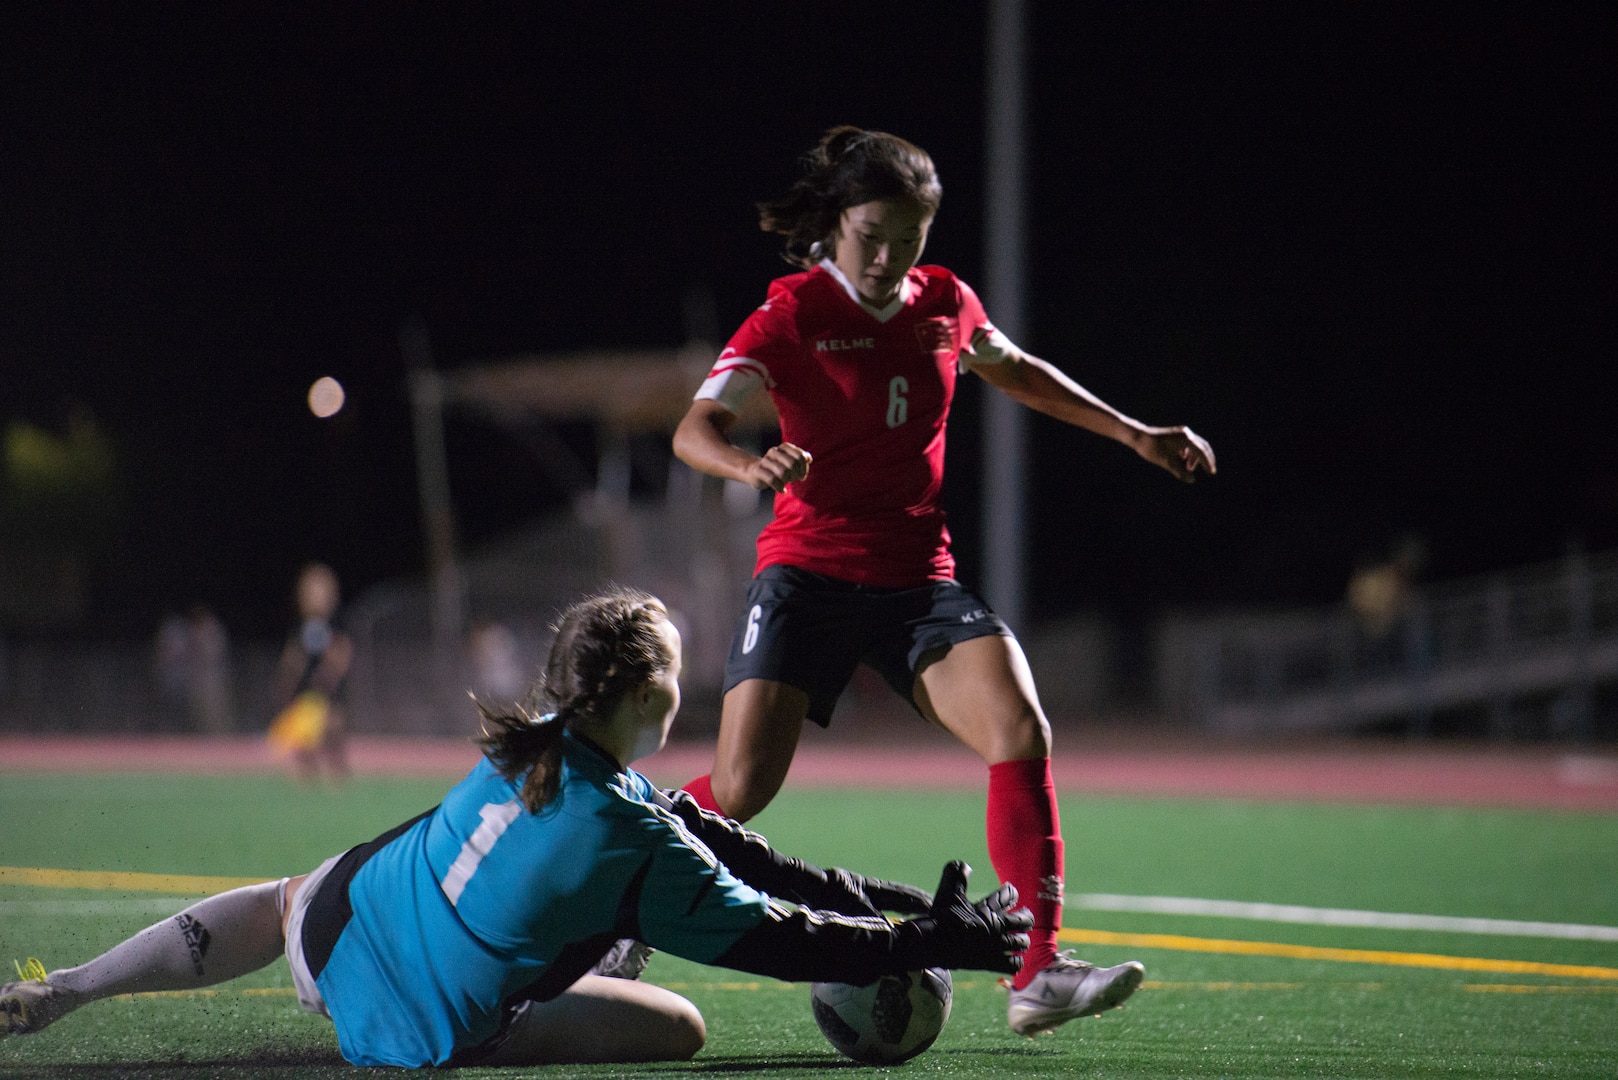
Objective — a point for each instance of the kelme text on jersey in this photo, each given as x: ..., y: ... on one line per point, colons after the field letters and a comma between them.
x: 844, y: 344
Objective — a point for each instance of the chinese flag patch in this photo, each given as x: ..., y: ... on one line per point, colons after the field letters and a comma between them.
x: 937, y: 334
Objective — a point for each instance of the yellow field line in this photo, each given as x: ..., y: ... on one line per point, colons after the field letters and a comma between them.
x: 1508, y: 988
x: 197, y: 885
x: 1350, y: 956
x: 1157, y: 984
x: 178, y: 884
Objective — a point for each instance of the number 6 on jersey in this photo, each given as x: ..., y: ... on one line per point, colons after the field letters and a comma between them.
x: 898, y: 407
x: 750, y: 638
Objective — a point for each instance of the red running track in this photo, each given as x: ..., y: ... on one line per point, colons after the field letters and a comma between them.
x: 1352, y: 772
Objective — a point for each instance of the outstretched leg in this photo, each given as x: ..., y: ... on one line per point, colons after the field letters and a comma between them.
x: 982, y: 691
x: 759, y: 726
x: 212, y: 941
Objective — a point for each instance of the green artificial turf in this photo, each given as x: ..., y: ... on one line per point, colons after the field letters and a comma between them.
x: 1201, y: 1014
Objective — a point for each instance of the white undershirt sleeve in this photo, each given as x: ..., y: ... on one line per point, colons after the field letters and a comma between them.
x: 988, y: 347
x: 733, y: 381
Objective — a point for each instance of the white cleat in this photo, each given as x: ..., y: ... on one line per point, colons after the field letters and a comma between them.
x: 1067, y: 988
x: 625, y: 960
x: 33, y: 1004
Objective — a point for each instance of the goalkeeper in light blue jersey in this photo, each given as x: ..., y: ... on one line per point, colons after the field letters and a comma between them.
x: 475, y: 933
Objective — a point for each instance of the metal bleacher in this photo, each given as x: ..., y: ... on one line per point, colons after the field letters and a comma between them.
x: 1544, y: 636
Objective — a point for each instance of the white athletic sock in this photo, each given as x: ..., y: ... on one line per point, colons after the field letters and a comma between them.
x: 209, y: 942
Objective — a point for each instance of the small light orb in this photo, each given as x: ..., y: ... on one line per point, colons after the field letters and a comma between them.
x: 326, y: 397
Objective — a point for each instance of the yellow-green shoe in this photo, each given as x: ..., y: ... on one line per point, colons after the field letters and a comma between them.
x: 30, y: 1004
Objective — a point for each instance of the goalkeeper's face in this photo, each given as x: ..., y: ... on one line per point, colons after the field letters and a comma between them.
x: 654, y: 704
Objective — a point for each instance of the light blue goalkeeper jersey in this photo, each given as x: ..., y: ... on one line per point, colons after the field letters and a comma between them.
x: 471, y: 904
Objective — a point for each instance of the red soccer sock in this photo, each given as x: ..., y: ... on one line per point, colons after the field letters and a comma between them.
x: 702, y: 790
x: 1025, y: 845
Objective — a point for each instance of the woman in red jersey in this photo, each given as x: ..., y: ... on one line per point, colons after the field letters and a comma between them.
x: 860, y: 353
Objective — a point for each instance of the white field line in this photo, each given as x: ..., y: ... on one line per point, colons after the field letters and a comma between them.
x: 1155, y: 905
x: 1378, y: 920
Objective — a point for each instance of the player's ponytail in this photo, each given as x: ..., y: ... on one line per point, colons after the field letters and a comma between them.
x: 849, y: 167
x: 606, y: 646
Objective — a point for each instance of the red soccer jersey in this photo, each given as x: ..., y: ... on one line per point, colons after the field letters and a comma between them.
x: 868, y: 395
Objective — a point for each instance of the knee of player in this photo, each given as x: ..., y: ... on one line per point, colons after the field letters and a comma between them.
x: 1026, y: 733
x: 742, y: 799
x: 745, y: 790
x: 688, y: 1032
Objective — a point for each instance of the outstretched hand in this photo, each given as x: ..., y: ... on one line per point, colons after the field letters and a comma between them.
x: 1179, y: 450
x: 986, y: 935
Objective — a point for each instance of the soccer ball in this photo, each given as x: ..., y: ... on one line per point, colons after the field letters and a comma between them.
x: 889, y: 1021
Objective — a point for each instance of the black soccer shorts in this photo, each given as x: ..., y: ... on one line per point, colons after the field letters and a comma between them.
x: 809, y: 630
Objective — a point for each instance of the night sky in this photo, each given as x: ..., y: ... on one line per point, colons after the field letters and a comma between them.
x: 1365, y: 249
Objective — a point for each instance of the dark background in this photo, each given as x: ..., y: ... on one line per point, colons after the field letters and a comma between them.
x: 1364, y: 248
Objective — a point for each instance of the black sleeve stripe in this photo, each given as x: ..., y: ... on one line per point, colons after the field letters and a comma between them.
x: 702, y: 894
x: 749, y: 855
x: 329, y: 909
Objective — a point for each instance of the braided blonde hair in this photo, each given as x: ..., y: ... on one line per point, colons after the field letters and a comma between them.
x: 606, y: 646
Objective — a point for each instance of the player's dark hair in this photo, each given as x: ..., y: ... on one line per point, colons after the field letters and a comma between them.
x: 850, y: 167
x: 606, y: 646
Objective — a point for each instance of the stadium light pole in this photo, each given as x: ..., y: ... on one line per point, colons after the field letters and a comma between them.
x: 446, y: 591
x: 1004, y: 421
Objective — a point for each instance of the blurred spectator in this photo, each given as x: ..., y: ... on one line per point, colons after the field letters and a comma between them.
x: 193, y: 670
x: 497, y: 667
x: 1380, y: 592
x: 208, y: 672
x: 314, y: 665
x: 171, y: 658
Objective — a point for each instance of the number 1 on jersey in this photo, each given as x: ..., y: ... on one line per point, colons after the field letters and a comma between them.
x: 495, y: 819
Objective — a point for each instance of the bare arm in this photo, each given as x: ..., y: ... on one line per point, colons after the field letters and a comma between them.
x: 702, y: 441
x: 334, y: 664
x: 1039, y: 385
